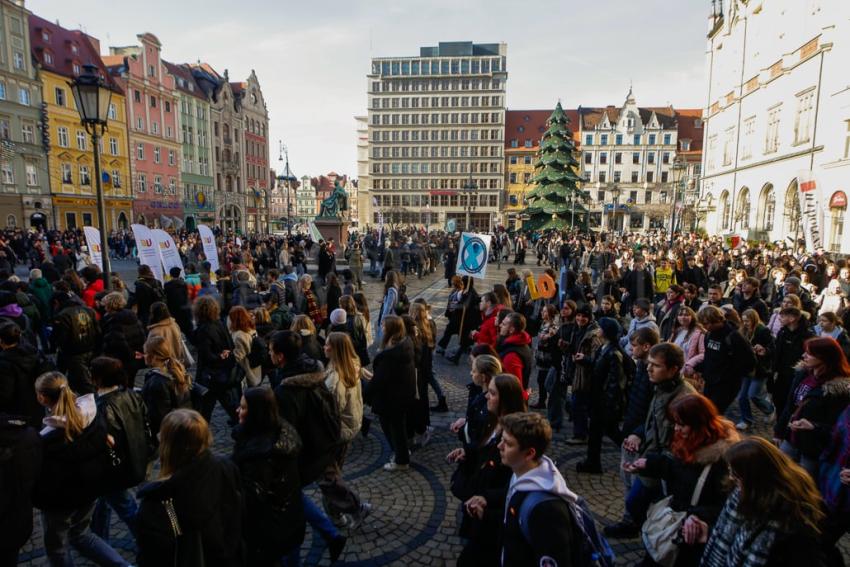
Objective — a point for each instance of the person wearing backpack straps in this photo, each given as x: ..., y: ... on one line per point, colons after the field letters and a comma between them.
x: 695, y: 476
x: 148, y: 290
x: 542, y: 515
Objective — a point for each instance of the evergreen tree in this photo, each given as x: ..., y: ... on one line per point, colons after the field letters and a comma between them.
x: 556, y: 197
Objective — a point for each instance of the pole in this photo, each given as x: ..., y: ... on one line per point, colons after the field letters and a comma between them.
x: 463, y: 315
x: 288, y: 197
x: 101, y: 210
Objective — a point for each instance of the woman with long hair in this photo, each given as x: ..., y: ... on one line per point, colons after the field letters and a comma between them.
x: 819, y: 393
x: 356, y: 326
x: 503, y: 297
x: 393, y: 388
x: 332, y: 293
x: 477, y: 419
x: 308, y: 302
x: 163, y: 324
x: 242, y: 331
x: 483, y: 486
x: 313, y: 344
x: 266, y: 449
x: 753, y: 387
x: 390, y: 300
x: 363, y: 310
x: 544, y: 354
x: 420, y: 311
x: 167, y: 383
x: 215, y: 359
x: 342, y: 378
x: 454, y: 310
x: 694, y: 471
x: 471, y: 318
x: 122, y: 333
x: 74, y: 447
x: 772, y: 517
x: 198, y: 495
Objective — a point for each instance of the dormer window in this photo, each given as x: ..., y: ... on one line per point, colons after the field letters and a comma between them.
x: 45, y: 36
x: 77, y: 69
x: 151, y: 71
x: 686, y: 144
x: 48, y: 58
x: 74, y: 49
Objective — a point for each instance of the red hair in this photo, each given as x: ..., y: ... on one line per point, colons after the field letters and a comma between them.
x: 240, y: 319
x: 707, y: 425
x: 829, y: 352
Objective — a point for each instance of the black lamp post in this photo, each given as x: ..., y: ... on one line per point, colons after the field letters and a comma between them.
x: 288, y: 179
x: 615, y: 193
x: 469, y: 188
x: 679, y: 167
x: 93, y: 97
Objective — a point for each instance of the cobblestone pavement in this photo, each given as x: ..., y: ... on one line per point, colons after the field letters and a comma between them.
x: 414, y: 517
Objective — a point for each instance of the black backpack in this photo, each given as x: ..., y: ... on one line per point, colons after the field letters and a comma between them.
x: 259, y: 352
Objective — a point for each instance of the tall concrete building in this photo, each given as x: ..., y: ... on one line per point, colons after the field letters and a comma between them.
x: 436, y: 127
x: 364, y: 193
x: 777, y: 120
x: 24, y: 179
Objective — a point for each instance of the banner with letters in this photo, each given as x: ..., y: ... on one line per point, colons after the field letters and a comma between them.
x: 95, y: 247
x: 210, y: 250
x: 168, y: 253
x: 811, y: 213
x: 472, y: 255
x: 148, y: 250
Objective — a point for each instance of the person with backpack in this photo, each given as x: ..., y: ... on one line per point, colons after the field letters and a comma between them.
x: 356, y: 327
x: 148, y: 290
x: 123, y: 334
x: 266, y: 449
x: 245, y: 293
x: 76, y: 333
x: 20, y: 365
x: 177, y: 299
x: 539, y: 526
x: 249, y: 349
x: 167, y: 384
x: 76, y: 461
x: 131, y: 443
x: 20, y: 463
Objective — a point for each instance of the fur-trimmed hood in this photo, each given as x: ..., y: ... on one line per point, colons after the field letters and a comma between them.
x: 310, y: 380
x: 839, y: 387
x: 714, y: 452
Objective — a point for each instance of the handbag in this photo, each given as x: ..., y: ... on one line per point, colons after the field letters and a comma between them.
x: 188, y: 359
x: 661, y: 529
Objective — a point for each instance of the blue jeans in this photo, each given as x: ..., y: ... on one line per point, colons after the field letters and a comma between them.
x: 639, y: 499
x: 319, y: 522
x: 123, y: 503
x: 63, y: 527
x: 753, y: 389
x: 811, y: 465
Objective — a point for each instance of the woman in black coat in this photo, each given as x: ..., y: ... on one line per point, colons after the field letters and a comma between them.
x: 266, y: 451
x: 215, y: 359
x: 198, y: 495
x: 123, y: 334
x: 393, y: 388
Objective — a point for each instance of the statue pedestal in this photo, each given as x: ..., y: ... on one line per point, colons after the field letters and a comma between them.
x: 333, y: 228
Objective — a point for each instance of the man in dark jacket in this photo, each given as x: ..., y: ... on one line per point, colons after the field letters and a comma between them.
x: 76, y: 333
x: 21, y: 452
x: 538, y: 525
x: 789, y: 351
x: 729, y: 357
x: 20, y: 365
x: 177, y: 300
x: 692, y: 274
x: 637, y: 283
x: 750, y: 298
x: 148, y: 291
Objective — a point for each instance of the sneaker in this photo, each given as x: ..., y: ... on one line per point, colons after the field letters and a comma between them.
x: 426, y: 437
x: 742, y: 426
x: 365, y: 510
x: 393, y: 466
x: 342, y: 521
x: 621, y: 530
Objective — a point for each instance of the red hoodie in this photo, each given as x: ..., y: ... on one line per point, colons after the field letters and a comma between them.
x: 91, y: 290
x: 512, y: 362
x: 488, y: 332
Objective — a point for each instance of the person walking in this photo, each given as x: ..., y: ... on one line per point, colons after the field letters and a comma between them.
x: 215, y: 359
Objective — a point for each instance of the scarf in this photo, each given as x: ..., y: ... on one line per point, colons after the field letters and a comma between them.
x: 738, y: 542
x: 313, y: 308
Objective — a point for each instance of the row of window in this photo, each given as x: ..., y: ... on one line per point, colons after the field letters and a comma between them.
x: 436, y: 151
x: 618, y: 158
x: 427, y: 168
x: 388, y: 184
x: 436, y: 102
x: 459, y: 200
x: 198, y: 110
x: 203, y: 165
x: 620, y: 139
x: 27, y: 131
x: 525, y: 160
x: 158, y: 187
x: 154, y: 127
x: 24, y: 96
x: 435, y: 118
x: 437, y: 85
x: 7, y: 173
x: 157, y: 154
x: 434, y: 135
x: 84, y: 175
x: 602, y: 176
x: 152, y: 100
x: 429, y: 66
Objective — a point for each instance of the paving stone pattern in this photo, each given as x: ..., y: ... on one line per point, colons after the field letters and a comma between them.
x: 414, y: 516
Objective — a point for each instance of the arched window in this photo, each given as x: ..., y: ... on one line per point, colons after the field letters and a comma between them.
x: 792, y: 210
x: 742, y: 214
x: 11, y: 221
x: 725, y: 211
x: 767, y: 207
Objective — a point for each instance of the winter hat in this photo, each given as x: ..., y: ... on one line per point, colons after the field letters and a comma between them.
x: 338, y: 317
x: 584, y: 309
x: 611, y: 329
x: 793, y: 280
x: 643, y: 303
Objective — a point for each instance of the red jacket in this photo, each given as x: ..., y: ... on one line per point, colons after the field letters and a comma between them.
x: 488, y: 332
x: 512, y: 363
x: 91, y: 290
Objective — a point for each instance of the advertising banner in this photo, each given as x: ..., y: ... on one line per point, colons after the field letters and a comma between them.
x: 472, y: 256
x: 168, y: 252
x: 208, y: 242
x: 811, y: 214
x: 148, y: 252
x: 95, y: 248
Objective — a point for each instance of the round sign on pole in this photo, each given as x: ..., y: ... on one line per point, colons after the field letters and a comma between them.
x: 473, y: 255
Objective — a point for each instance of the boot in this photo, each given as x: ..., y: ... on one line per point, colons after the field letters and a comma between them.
x: 441, y: 406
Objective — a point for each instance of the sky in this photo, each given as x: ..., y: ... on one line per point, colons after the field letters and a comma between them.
x: 312, y: 58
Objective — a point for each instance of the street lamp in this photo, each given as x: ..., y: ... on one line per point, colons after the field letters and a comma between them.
x: 679, y: 167
x: 93, y: 98
x: 615, y: 193
x: 288, y: 179
x: 469, y: 188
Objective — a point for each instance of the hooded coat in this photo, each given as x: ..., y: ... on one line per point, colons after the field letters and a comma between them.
x: 517, y: 357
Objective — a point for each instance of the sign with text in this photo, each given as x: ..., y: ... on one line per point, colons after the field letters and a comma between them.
x: 95, y: 247
x: 210, y: 250
x: 472, y: 256
x: 148, y: 252
x: 168, y: 252
x: 811, y: 214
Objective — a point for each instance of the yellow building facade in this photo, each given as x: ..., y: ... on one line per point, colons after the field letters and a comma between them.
x: 71, y: 155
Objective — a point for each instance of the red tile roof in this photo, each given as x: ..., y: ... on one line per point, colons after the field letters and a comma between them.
x: 691, y: 127
x: 60, y: 44
x: 521, y: 125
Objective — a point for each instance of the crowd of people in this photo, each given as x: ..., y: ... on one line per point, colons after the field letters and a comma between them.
x: 107, y: 393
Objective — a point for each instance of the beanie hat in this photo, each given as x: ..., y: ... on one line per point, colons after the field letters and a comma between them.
x: 611, y: 329
x: 793, y: 280
x: 338, y: 317
x: 584, y: 309
x: 643, y: 303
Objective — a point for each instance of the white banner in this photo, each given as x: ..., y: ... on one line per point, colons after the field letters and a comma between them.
x: 95, y: 248
x: 811, y: 214
x: 168, y: 252
x: 208, y: 242
x: 148, y: 253
x: 472, y: 255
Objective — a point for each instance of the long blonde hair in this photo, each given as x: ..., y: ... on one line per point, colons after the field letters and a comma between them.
x: 394, y: 331
x: 183, y: 436
x: 158, y: 351
x: 54, y: 387
x: 419, y: 312
x: 344, y: 359
x: 303, y: 323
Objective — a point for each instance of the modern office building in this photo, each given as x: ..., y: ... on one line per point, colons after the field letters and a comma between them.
x: 436, y: 127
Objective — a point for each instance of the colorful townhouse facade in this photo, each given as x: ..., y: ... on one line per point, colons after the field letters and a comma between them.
x: 152, y: 108
x: 256, y: 152
x: 61, y: 54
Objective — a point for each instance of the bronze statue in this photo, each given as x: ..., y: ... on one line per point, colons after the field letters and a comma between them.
x: 334, y: 204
